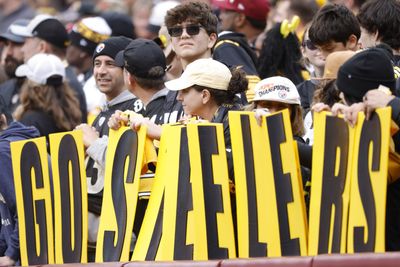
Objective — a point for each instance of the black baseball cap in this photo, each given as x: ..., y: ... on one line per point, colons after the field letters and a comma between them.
x: 49, y: 29
x: 140, y: 56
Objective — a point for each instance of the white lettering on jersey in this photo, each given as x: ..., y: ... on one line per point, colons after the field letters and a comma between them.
x: 99, y: 185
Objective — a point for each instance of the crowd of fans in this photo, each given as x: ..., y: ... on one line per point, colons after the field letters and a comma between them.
x: 81, y: 65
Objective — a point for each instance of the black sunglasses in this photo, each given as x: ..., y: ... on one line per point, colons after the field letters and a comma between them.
x: 192, y: 29
x: 309, y: 45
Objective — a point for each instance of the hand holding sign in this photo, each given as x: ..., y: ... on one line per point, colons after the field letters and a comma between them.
x: 377, y: 98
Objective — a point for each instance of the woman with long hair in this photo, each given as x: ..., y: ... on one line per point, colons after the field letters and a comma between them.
x: 46, y: 100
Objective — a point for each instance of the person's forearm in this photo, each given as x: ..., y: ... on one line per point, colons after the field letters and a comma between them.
x: 97, y: 151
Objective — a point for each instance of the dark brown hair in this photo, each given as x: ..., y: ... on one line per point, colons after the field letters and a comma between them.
x: 327, y: 93
x: 152, y: 83
x: 333, y: 23
x: 382, y: 17
x: 195, y: 12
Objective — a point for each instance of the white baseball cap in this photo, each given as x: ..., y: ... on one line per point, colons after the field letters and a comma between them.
x: 277, y: 88
x: 205, y: 72
x: 41, y: 67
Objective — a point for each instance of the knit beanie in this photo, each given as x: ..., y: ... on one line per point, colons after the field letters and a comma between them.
x: 111, y: 46
x: 365, y: 71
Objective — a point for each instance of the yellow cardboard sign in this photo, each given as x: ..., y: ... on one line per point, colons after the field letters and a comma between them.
x: 175, y: 225
x: 270, y: 205
x: 124, y: 160
x: 366, y: 230
x: 70, y: 197
x: 157, y: 234
x: 330, y: 188
x: 213, y: 226
x: 33, y: 197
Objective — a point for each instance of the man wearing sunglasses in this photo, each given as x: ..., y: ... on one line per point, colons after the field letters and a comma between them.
x: 193, y: 30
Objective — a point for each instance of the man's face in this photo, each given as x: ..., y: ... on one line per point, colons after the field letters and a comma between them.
x: 227, y: 18
x: 109, y: 77
x: 30, y: 47
x: 13, y: 57
x: 191, y: 47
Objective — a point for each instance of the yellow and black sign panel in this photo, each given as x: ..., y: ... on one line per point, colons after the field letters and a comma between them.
x: 157, y: 239
x: 329, y: 203
x: 124, y: 160
x: 366, y: 230
x: 213, y: 225
x: 70, y: 197
x: 270, y: 207
x: 179, y: 222
x: 33, y: 197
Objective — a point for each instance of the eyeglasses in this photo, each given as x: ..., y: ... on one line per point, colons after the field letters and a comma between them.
x: 192, y: 29
x: 309, y: 45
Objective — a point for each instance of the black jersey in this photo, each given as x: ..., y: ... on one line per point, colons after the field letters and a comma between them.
x: 233, y: 50
x: 306, y: 91
x: 164, y: 107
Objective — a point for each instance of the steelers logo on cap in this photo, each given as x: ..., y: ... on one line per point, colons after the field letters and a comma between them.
x: 100, y: 47
x: 282, y: 94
